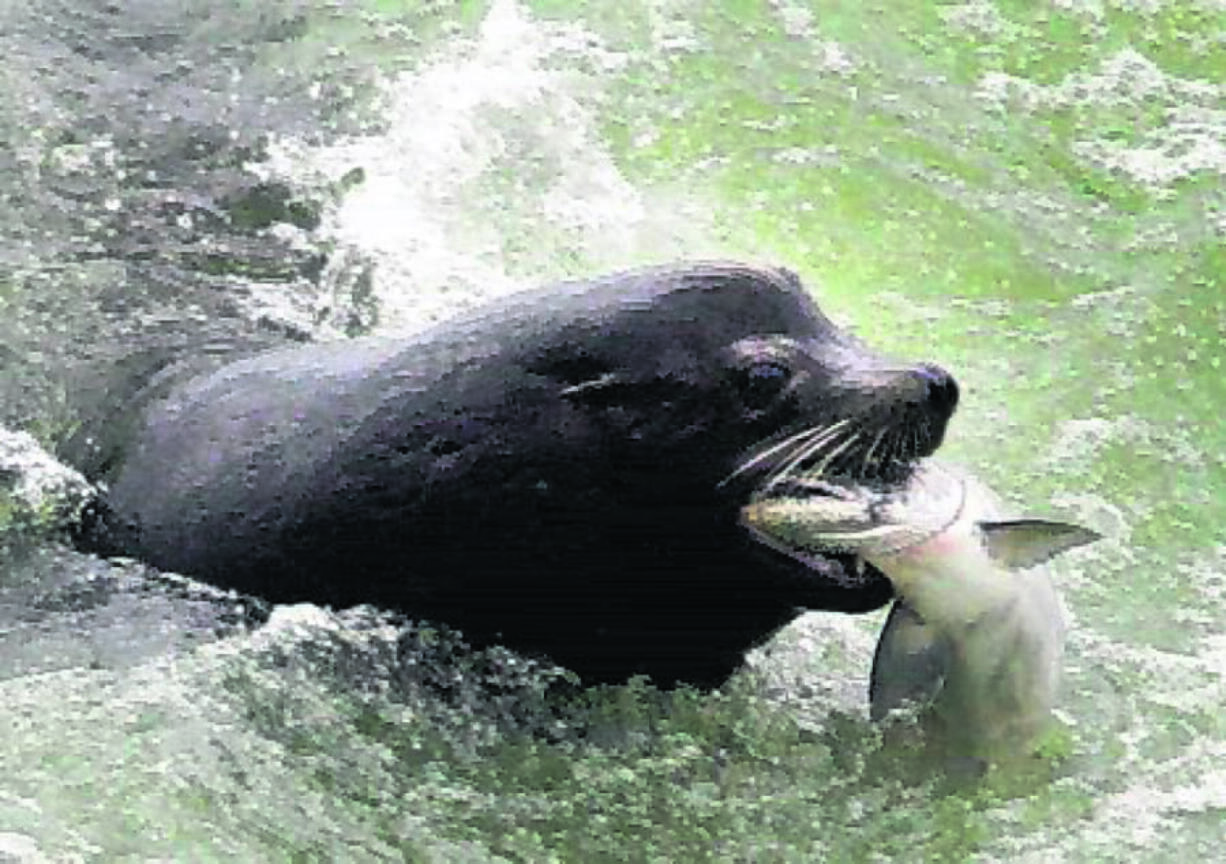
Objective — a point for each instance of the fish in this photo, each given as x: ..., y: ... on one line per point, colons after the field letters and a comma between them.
x: 975, y: 638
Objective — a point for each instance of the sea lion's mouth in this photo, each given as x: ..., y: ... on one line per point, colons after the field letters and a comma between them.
x: 853, y: 572
x: 856, y: 461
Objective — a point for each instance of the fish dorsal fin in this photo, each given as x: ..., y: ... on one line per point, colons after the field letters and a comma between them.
x: 910, y: 664
x: 1022, y: 543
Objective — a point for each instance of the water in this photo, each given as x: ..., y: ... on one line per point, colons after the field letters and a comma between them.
x: 1032, y: 197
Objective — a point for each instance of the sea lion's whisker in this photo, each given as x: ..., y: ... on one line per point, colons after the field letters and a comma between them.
x: 803, y: 453
x: 838, y: 451
x: 877, y: 439
x: 906, y: 445
x: 886, y: 454
x: 814, y: 444
x: 799, y: 438
x: 808, y: 452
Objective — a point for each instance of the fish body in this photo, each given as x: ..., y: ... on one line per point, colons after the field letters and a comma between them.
x: 976, y: 635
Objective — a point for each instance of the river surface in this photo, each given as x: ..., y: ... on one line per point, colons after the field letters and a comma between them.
x: 1030, y: 194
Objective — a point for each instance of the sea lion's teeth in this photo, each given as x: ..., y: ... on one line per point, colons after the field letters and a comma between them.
x: 860, y: 565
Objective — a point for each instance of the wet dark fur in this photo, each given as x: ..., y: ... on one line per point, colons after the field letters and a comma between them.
x: 561, y: 472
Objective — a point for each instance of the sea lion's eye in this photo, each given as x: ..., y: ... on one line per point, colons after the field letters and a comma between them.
x: 763, y: 381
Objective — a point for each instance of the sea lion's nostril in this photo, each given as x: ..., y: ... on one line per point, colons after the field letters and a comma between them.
x: 941, y: 390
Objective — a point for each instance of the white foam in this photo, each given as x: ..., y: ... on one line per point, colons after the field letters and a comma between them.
x: 979, y: 18
x: 492, y: 171
x: 40, y: 487
x: 1190, y: 140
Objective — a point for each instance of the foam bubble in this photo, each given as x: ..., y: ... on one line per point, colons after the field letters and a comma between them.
x: 492, y: 171
x: 1189, y: 140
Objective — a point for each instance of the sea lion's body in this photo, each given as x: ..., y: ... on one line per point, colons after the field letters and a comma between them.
x: 546, y: 472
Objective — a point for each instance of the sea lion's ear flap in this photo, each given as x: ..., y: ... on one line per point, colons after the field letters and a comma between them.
x: 1022, y: 543
x: 604, y: 382
x: 583, y: 376
x: 603, y: 389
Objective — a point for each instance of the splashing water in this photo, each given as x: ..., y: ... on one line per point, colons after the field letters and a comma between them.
x: 1033, y: 197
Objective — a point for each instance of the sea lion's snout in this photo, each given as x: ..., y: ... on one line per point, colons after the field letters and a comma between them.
x: 937, y: 388
x: 927, y: 398
x: 881, y: 417
x: 868, y: 378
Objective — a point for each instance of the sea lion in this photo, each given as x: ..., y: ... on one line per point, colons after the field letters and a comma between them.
x: 976, y: 638
x: 560, y: 471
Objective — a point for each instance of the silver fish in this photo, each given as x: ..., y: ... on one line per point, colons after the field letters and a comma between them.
x: 976, y: 636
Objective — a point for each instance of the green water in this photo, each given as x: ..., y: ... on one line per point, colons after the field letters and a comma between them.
x: 1032, y: 197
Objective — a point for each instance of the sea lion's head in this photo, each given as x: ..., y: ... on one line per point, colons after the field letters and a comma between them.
x: 736, y: 371
x: 722, y: 377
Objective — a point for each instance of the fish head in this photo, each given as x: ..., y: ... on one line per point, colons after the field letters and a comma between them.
x: 805, y: 515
